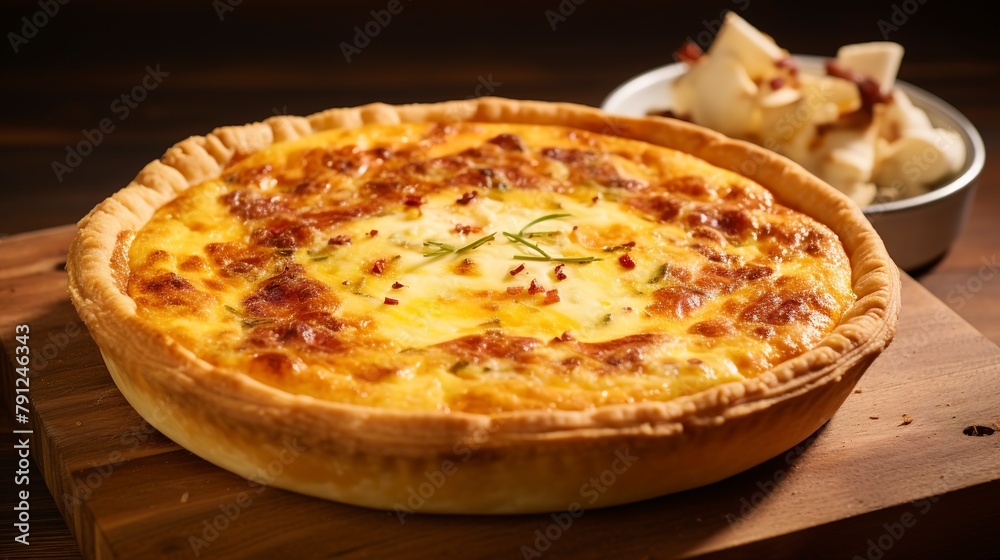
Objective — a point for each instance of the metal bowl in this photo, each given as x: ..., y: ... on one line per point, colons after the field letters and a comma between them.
x: 917, y: 231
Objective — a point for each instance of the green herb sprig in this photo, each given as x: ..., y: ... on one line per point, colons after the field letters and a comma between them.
x: 520, y: 238
x: 445, y: 249
x: 522, y: 235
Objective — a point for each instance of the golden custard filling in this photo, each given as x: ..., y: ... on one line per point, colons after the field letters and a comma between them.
x: 486, y: 268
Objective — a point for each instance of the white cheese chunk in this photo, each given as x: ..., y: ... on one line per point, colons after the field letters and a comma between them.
x: 879, y: 60
x: 755, y: 51
x: 730, y: 109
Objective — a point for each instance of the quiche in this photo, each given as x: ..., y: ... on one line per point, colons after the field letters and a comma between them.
x: 481, y: 306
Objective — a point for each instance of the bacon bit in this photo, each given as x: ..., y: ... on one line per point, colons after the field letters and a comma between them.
x: 688, y: 52
x: 788, y: 63
x: 397, y: 285
x: 595, y: 199
x: 870, y: 90
x: 517, y: 270
x: 623, y: 247
x: 564, y: 337
x: 535, y: 288
x: 627, y: 309
x: 250, y: 206
x: 695, y: 361
x: 626, y: 261
x: 669, y: 114
x: 282, y: 234
x: 467, y: 198
x: 378, y: 267
x: 466, y: 267
x: 287, y: 293
x: 391, y: 301
x: 340, y: 240
x: 514, y: 290
x: 346, y: 282
x: 373, y: 233
x: 560, y: 275
x: 777, y: 83
x: 413, y: 200
x: 466, y: 230
x: 511, y: 142
x: 551, y: 296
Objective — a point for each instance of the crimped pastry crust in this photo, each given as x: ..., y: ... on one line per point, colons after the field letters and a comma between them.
x: 512, y: 462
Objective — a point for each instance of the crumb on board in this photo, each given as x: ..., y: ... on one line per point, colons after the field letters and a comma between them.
x: 857, y: 391
x: 184, y: 498
x: 906, y: 419
x: 873, y: 417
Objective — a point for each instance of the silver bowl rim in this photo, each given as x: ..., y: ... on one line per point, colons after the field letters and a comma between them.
x: 952, y: 117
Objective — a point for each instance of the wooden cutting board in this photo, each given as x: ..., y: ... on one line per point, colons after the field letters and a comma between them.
x: 866, y: 485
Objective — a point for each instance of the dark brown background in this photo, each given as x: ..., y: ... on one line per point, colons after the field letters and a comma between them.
x: 264, y: 58
x: 285, y: 56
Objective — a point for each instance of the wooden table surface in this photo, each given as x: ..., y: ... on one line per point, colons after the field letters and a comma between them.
x: 229, y: 62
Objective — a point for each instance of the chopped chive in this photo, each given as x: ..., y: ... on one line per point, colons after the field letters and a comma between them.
x: 518, y: 239
x: 542, y: 219
x: 475, y: 243
x: 440, y: 245
x: 555, y: 259
x: 660, y: 275
x: 444, y: 248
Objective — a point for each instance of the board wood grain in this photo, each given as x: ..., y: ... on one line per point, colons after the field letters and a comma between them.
x: 868, y: 484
